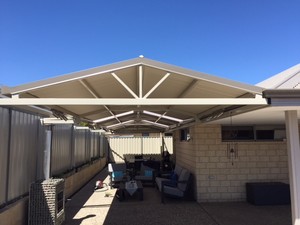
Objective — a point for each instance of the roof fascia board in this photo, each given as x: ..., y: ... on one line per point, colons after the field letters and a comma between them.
x: 4, y: 89
x: 283, y: 97
x: 202, y: 76
x: 281, y: 93
x: 128, y: 63
x: 73, y: 76
x: 285, y: 102
x: 131, y: 101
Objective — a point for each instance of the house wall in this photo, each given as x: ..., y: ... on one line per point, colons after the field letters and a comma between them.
x: 186, y: 155
x: 216, y: 179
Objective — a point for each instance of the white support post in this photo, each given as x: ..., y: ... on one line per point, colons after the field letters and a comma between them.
x: 292, y: 129
x: 140, y: 81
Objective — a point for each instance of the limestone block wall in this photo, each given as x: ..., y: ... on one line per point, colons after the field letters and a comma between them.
x: 76, y: 181
x: 186, y: 155
x: 216, y: 178
x: 17, y: 213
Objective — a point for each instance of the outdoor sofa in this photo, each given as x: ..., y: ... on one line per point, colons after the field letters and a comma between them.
x: 146, y: 175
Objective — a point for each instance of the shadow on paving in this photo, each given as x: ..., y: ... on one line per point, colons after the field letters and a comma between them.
x: 77, y: 202
x: 152, y: 211
x: 89, y: 207
x: 243, y: 213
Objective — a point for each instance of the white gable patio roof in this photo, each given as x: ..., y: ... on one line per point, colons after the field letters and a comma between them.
x: 140, y: 95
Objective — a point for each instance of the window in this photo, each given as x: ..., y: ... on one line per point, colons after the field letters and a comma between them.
x: 265, y: 134
x: 237, y: 133
x: 255, y: 133
x: 185, y: 134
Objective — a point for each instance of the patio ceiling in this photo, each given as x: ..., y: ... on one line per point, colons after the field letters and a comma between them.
x: 138, y: 95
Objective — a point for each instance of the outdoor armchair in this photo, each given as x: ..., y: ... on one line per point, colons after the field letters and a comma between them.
x: 117, y: 172
x: 174, y: 188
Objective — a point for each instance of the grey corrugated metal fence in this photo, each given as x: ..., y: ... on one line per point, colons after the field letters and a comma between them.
x: 4, y: 137
x: 19, y: 148
x: 127, y: 147
x: 61, y: 151
x: 22, y: 151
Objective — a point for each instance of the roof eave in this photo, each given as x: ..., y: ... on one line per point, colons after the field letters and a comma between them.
x: 128, y: 63
x: 283, y: 97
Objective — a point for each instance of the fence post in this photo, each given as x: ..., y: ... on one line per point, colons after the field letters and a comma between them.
x: 8, y: 155
x: 72, y: 147
x: 47, y: 154
x: 142, y: 146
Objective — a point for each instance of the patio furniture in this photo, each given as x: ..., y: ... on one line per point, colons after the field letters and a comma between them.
x: 117, y: 173
x: 168, y: 174
x: 153, y: 164
x: 268, y: 193
x: 130, y: 189
x: 138, y: 159
x: 173, y: 187
x: 146, y: 175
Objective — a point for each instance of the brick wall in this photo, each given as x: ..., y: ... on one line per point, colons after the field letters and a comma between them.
x: 216, y: 178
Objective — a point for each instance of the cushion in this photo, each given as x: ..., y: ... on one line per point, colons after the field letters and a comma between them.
x: 159, y: 181
x: 117, y: 174
x: 173, y: 179
x: 173, y: 191
x: 184, y: 176
x: 143, y: 178
x: 116, y: 167
x: 148, y: 173
x: 178, y: 169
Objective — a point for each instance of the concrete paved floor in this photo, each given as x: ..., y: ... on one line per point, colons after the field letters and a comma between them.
x: 101, y: 207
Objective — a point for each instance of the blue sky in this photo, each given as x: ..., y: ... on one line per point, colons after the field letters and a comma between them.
x: 242, y: 40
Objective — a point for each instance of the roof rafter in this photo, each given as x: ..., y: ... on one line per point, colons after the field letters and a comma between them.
x: 88, y: 87
x: 187, y: 90
x: 157, y: 85
x: 141, y: 81
x: 124, y: 85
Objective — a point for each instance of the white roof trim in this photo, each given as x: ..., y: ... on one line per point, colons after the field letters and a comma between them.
x: 131, y: 101
x: 129, y: 63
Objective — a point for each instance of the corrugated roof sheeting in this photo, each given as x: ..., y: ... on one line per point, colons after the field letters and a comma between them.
x: 138, y: 78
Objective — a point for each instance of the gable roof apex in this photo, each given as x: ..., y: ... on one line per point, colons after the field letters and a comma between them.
x: 110, y: 68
